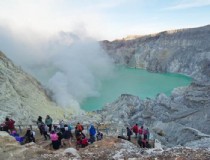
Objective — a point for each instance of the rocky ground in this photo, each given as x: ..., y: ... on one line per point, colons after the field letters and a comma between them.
x: 109, y: 148
x: 181, y: 119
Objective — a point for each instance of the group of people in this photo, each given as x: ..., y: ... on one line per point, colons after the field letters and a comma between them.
x: 61, y: 134
x: 9, y: 126
x: 141, y: 134
x: 45, y: 127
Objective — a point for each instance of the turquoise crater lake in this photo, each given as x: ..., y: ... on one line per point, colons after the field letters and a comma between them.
x: 137, y: 82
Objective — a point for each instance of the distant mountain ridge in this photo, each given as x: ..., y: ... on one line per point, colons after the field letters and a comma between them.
x: 185, y: 51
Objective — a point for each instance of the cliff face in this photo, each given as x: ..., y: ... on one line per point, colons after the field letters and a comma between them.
x: 22, y: 98
x: 185, y: 51
x: 182, y: 118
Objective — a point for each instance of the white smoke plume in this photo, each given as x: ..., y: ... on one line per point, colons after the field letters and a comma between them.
x: 70, y: 65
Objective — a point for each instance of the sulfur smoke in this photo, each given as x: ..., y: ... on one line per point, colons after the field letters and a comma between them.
x: 71, y: 66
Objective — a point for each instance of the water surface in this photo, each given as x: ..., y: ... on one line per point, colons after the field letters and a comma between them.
x: 136, y: 82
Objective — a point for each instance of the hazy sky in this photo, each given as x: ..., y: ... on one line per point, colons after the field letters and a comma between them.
x: 103, y: 19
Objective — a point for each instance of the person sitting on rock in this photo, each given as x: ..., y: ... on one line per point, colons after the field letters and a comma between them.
x: 10, y: 124
x: 54, y: 138
x: 148, y: 145
x: 78, y: 136
x: 60, y: 137
x: 139, y: 141
x: 144, y: 142
x: 135, y: 129
x: 84, y: 142
x: 4, y: 127
x: 69, y: 129
x: 66, y: 137
x: 29, y: 136
x: 77, y: 133
x: 99, y: 136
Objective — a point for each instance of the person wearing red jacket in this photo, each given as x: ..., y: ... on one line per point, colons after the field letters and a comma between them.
x: 10, y: 124
x: 135, y: 129
x: 141, y: 130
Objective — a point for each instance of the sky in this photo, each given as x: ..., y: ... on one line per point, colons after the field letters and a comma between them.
x: 103, y: 19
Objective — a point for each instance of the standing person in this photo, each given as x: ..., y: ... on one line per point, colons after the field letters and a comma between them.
x: 145, y: 133
x: 135, y: 129
x: 39, y: 123
x: 44, y: 130
x: 141, y: 130
x: 129, y: 133
x: 92, y: 132
x: 48, y: 122
x: 62, y: 129
x: 10, y: 124
x: 79, y: 127
x: 78, y: 134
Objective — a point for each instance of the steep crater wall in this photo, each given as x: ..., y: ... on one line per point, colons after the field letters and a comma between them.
x: 185, y: 51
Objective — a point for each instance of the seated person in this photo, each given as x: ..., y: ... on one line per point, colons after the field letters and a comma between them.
x: 54, y: 138
x: 4, y: 127
x: 84, y: 142
x: 66, y: 137
x: 99, y: 136
x: 29, y: 136
x: 60, y: 137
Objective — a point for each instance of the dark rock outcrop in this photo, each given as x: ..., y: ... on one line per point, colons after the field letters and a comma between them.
x: 179, y: 119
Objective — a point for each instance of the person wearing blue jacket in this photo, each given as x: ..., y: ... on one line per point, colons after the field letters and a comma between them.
x: 92, y: 132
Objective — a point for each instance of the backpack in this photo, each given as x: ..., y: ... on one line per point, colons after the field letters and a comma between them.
x: 80, y: 127
x: 70, y: 127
